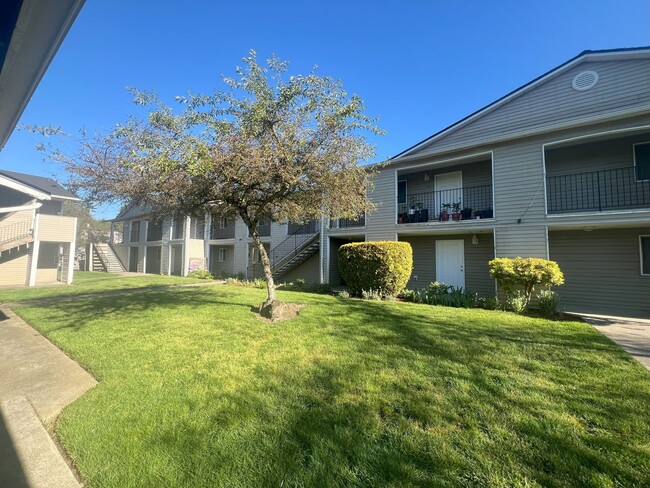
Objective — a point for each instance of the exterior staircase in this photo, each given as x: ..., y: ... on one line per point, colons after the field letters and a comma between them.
x: 105, y: 259
x: 15, y: 235
x: 290, y: 253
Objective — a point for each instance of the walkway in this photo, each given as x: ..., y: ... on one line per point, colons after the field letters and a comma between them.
x: 37, y: 382
x: 633, y: 335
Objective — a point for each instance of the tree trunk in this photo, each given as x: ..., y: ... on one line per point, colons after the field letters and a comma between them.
x: 266, y: 264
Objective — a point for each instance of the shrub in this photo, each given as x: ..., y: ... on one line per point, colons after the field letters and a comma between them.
x: 515, y: 301
x: 547, y: 302
x: 371, y: 294
x: 201, y: 274
x: 343, y: 294
x: 489, y: 303
x: 525, y: 274
x: 299, y: 283
x: 384, y: 266
x: 460, y: 298
x: 321, y: 288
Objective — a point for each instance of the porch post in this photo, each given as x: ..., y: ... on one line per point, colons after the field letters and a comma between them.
x: 31, y: 281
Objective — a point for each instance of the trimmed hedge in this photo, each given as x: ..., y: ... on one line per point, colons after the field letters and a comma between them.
x: 525, y: 273
x: 384, y: 266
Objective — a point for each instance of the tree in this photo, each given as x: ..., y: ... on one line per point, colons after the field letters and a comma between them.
x: 89, y: 229
x: 268, y: 147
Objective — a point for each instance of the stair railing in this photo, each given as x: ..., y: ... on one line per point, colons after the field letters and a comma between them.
x: 15, y: 231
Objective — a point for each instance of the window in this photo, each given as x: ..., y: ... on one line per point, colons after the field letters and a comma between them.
x: 154, y: 231
x: 255, y: 255
x: 401, y: 191
x: 644, y: 242
x: 135, y: 231
x: 222, y: 255
x: 223, y: 223
x: 198, y: 228
x: 642, y: 161
x: 178, y: 228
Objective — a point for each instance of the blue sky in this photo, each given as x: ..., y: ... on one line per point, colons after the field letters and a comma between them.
x: 419, y: 65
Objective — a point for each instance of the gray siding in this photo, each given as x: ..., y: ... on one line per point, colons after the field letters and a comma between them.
x: 602, y: 271
x: 308, y: 271
x: 593, y: 155
x: 622, y: 85
x: 222, y: 268
x: 477, y: 277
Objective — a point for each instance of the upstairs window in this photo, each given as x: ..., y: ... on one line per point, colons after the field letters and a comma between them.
x: 401, y: 192
x: 198, y: 229
x: 178, y: 228
x: 135, y: 231
x: 642, y: 161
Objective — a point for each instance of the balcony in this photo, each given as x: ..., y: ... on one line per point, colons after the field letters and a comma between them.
x: 347, y: 223
x: 468, y: 203
x: 597, y: 191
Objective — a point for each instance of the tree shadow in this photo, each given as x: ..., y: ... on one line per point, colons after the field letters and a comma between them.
x: 11, y: 470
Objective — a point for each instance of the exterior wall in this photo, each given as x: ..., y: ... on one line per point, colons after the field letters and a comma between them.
x: 474, y: 174
x: 196, y: 250
x: 602, y: 271
x: 51, y: 207
x: 14, y: 266
x: 308, y: 271
x: 477, y: 277
x: 622, y: 85
x: 48, y: 256
x: 17, y: 217
x: 55, y: 228
x: 222, y: 268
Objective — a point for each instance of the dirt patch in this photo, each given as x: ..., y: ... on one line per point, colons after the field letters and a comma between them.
x: 279, y: 311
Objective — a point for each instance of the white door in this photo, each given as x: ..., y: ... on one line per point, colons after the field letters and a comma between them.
x: 448, y: 188
x: 450, y: 262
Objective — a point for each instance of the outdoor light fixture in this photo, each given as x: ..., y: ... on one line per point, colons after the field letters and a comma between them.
x: 426, y: 176
x: 474, y: 239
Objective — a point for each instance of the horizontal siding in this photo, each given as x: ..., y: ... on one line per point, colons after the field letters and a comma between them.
x: 56, y: 228
x: 14, y: 266
x: 621, y: 85
x: 521, y: 240
x: 380, y: 224
x: 474, y: 174
x: 602, y: 271
x: 308, y: 271
x: 225, y: 268
x: 477, y: 277
x: 14, y: 217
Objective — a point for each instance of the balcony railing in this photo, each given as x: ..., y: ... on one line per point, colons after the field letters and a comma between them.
x: 447, y: 205
x: 14, y: 232
x: 597, y: 191
x: 348, y: 223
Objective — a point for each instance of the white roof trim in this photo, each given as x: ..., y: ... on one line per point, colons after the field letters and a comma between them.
x: 642, y: 53
x: 30, y: 206
x: 15, y: 185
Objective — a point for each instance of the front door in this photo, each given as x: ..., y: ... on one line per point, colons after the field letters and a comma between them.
x: 448, y: 190
x: 450, y: 262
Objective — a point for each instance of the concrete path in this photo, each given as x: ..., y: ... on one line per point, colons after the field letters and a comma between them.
x: 37, y: 381
x: 633, y: 335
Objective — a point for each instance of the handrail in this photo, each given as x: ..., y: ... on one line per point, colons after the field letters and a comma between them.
x: 471, y: 201
x: 608, y: 189
x: 15, y: 231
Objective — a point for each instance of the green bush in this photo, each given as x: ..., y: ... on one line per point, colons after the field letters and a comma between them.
x: 547, y: 302
x: 201, y: 274
x: 525, y: 274
x: 441, y: 294
x: 384, y: 266
x: 515, y: 301
x: 489, y: 303
x: 343, y: 294
x: 371, y: 294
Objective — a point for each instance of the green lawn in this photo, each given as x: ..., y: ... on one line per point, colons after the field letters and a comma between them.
x: 196, y: 391
x: 87, y: 282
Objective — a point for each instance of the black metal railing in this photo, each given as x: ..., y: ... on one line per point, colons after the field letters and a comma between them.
x: 611, y: 189
x: 289, y: 247
x: 219, y: 232
x: 347, y: 223
x: 447, y: 205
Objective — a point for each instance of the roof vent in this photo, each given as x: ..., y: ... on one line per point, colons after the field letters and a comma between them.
x: 585, y: 80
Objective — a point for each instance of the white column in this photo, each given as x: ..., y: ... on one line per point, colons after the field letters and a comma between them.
x: 35, y: 249
x: 72, y: 252
x: 186, y: 247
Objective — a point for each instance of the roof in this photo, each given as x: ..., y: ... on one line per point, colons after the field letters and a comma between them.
x: 131, y: 211
x: 45, y: 185
x: 31, y: 32
x: 519, y: 91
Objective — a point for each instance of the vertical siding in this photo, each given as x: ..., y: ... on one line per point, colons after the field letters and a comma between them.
x: 602, y: 271
x: 477, y: 278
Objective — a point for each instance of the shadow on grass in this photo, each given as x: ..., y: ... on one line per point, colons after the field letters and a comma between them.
x: 411, y: 395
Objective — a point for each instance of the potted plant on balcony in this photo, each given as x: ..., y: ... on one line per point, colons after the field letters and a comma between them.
x: 422, y: 213
x: 444, y: 212
x: 455, y: 211
x: 411, y: 214
x: 466, y: 213
x: 478, y: 215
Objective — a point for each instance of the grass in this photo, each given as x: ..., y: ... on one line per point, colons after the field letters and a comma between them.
x: 86, y: 282
x: 196, y: 391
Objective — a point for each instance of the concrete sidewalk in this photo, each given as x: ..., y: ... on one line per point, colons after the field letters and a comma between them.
x: 37, y: 381
x: 633, y: 335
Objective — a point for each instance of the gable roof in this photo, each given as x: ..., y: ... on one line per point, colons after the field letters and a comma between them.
x: 41, y: 184
x: 588, y: 54
x: 132, y: 211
